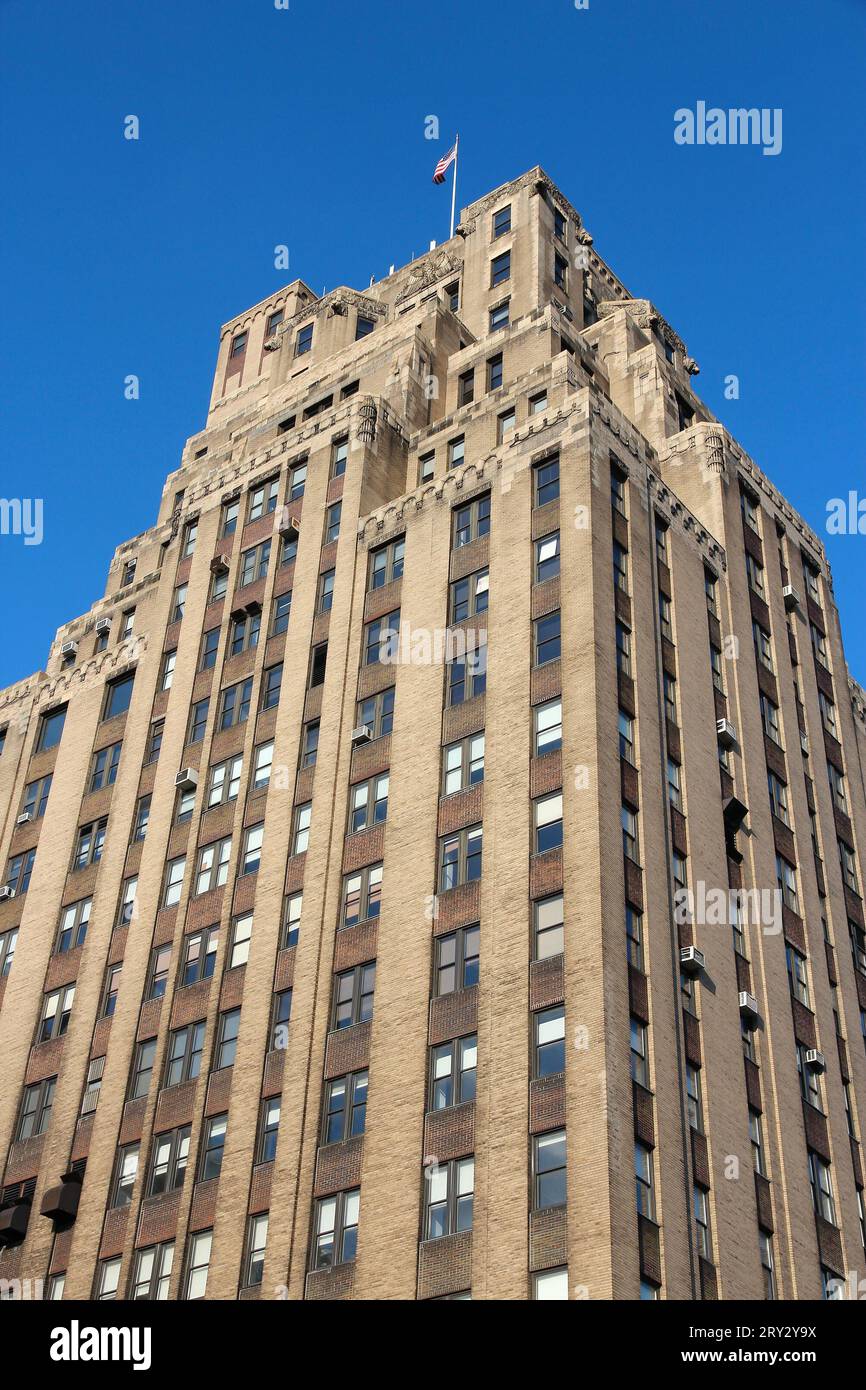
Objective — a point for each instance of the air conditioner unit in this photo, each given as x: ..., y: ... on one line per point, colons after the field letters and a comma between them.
x: 791, y: 598
x: 24, y: 819
x: 748, y: 1005
x: 289, y: 524
x: 814, y: 1060
x: 6, y: 892
x: 726, y: 733
x: 68, y: 648
x: 103, y: 624
x: 219, y: 564
x: 253, y: 607
x: 691, y: 960
x: 186, y: 779
x: 804, y: 742
x: 363, y: 734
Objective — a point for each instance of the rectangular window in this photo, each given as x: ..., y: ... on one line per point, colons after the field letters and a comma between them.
x: 50, y: 729
x: 386, y: 563
x: 456, y: 452
x: 778, y: 797
x: 547, y: 557
x: 212, y: 1147
x: 281, y: 1013
x: 548, y: 929
x: 560, y: 272
x: 254, y: 1259
x: 362, y: 896
x: 254, y: 564
x: 466, y: 388
x: 456, y: 960
x: 549, y: 1042
x: 90, y: 844
x: 498, y: 316
x: 500, y: 269
x: 301, y: 836
x: 56, y: 1011
x: 786, y: 877
x: 8, y: 942
x: 292, y: 919
x: 332, y: 522
x: 353, y: 996
x: 242, y: 930
x: 471, y: 521
x: 634, y: 937
x: 227, y: 1039
x: 281, y: 612
x: 453, y: 1072
x: 125, y: 1173
x: 643, y: 1168
x: 547, y: 815
x: 623, y: 650
x: 36, y: 1106
x: 629, y: 834
x: 20, y: 870
x: 158, y: 977
x: 494, y: 372
x: 549, y: 1170
x: 546, y: 639
x: 502, y: 221
x: 380, y: 639
x: 345, y: 1111
x: 269, y: 1125
x: 251, y: 850
x: 235, y: 703
x: 463, y: 764
x: 763, y: 646
x: 460, y: 858
x: 199, y: 955
x: 449, y: 1194
x: 110, y: 990
x: 325, y: 599
x: 245, y: 633
x: 639, y: 1053
x: 468, y: 597
x: 376, y: 714
x: 263, y: 499
x: 224, y: 781
x: 821, y: 1184
x: 198, y: 720
x: 168, y: 1161
x: 304, y: 340
x: 335, y: 1238
x: 174, y: 871
x: 546, y: 481
x: 36, y: 793
x: 368, y: 802
x: 142, y: 1068
x: 198, y: 1264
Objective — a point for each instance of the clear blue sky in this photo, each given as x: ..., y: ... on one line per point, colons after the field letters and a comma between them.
x: 306, y: 127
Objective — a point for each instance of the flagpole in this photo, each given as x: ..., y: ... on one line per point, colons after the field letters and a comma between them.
x: 454, y: 183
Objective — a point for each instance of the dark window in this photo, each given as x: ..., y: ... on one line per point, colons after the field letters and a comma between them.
x: 546, y: 475
x: 304, y: 340
x: 118, y: 697
x: 51, y: 729
x: 363, y: 327
x: 353, y: 996
x: 281, y: 613
x: 209, y: 644
x: 549, y: 1041
x: 213, y: 1147
x: 104, y: 771
x: 269, y: 1125
x: 271, y: 684
x: 19, y: 871
x: 456, y: 960
x: 467, y: 676
x: 168, y: 1161
x: 453, y: 1071
x: 185, y: 1046
x: 377, y: 713
x: 502, y: 221
x: 471, y: 521
x: 500, y: 268
x: 235, y: 703
x: 142, y: 1069
x: 548, y: 1169
x: 198, y: 720
x: 345, y: 1108
x: 494, y: 372
x: 36, y: 1108
x: 546, y: 639
x: 318, y: 663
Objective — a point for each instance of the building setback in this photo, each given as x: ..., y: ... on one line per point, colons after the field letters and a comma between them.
x: 477, y: 962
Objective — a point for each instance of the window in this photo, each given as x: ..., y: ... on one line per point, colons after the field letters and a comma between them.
x: 546, y: 639
x: 90, y: 843
x: 548, y: 726
x: 353, y: 995
x: 786, y: 876
x: 362, y: 896
x: 456, y: 960
x: 639, y: 1053
x: 670, y: 697
x: 56, y: 1009
x: 828, y: 715
x: 822, y: 1188
x: 224, y: 781
x: 154, y: 741
x: 310, y: 743
x: 626, y: 737
x: 262, y: 763
x: 548, y: 822
x: 198, y: 720
x: 169, y: 1160
x: 498, y: 316
x: 629, y: 834
x: 716, y: 668
x: 8, y: 942
x: 546, y: 480
x: 219, y: 585
x: 242, y: 930
x: 125, y: 1173
x: 36, y: 1108
x: 701, y: 1208
x: 452, y: 294
x: 666, y: 618
x: 849, y: 867
x: 500, y: 269
x: 763, y: 646
x: 377, y: 713
x: 494, y: 372
x: 36, y: 794
x: 185, y: 1047
x: 837, y: 791
x: 104, y: 769
x: 254, y: 1260
x: 269, y: 1124
x: 756, y: 1139
x: 332, y: 522
x: 453, y: 1071
x: 694, y: 1103
x: 274, y: 321
x: 289, y: 546
x: 142, y: 1068
x: 770, y: 720
x: 245, y: 633
x: 301, y: 837
x: 550, y: 1285
x: 254, y: 564
x: 318, y: 665
x: 661, y: 535
x: 368, y: 802
x: 426, y: 466
x: 178, y: 606
x: 755, y: 576
x: 281, y: 1014
x: 471, y: 521
x: 230, y: 514
x: 263, y: 499
x: 560, y: 272
x: 292, y: 920
x: 50, y: 729
x: 466, y: 388
x: 469, y: 596
x: 623, y: 650
x: 212, y: 867
x: 280, y: 613
x: 158, y: 977
x: 213, y: 1147
x: 502, y: 221
x: 749, y: 507
x: 110, y: 990
x: 548, y: 927
x: 547, y: 557
x: 643, y: 1170
x: 620, y: 570
x: 108, y: 1278
x: 336, y: 1229
x: 711, y: 591
x: 675, y: 796
x: 386, y: 563
x: 778, y: 797
x: 505, y: 424
x: 251, y: 850
x: 304, y: 340
x: 73, y: 926
x: 345, y: 1108
x: 326, y: 591
x: 460, y: 858
x: 463, y: 764
x: 198, y: 1261
x: 810, y: 1081
x: 239, y: 345
x: 634, y: 937
x: 235, y: 703
x: 549, y: 1042
x: 297, y: 481
x: 118, y: 695
x: 549, y: 1170
x: 380, y: 639
x: 456, y: 452
x: 199, y: 955
x: 538, y: 403
x: 449, y: 1193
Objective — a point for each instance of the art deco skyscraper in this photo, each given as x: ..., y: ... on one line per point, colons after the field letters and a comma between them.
x: 520, y: 955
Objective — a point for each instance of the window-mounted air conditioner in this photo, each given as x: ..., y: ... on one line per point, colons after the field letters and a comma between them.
x: 748, y: 1006
x: 68, y: 649
x: 103, y: 624
x: 289, y: 524
x: 691, y: 960
x: 6, y: 892
x: 726, y: 733
x: 187, y: 779
x: 790, y: 598
x: 219, y: 564
x: 814, y: 1060
x: 24, y: 819
x: 363, y: 734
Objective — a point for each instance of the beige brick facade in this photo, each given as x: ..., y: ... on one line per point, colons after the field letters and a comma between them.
x: 579, y: 420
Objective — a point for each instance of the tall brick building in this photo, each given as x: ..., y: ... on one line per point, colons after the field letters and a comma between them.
x: 520, y: 955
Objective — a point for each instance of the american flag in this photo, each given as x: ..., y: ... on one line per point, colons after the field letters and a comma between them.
x: 439, y: 173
